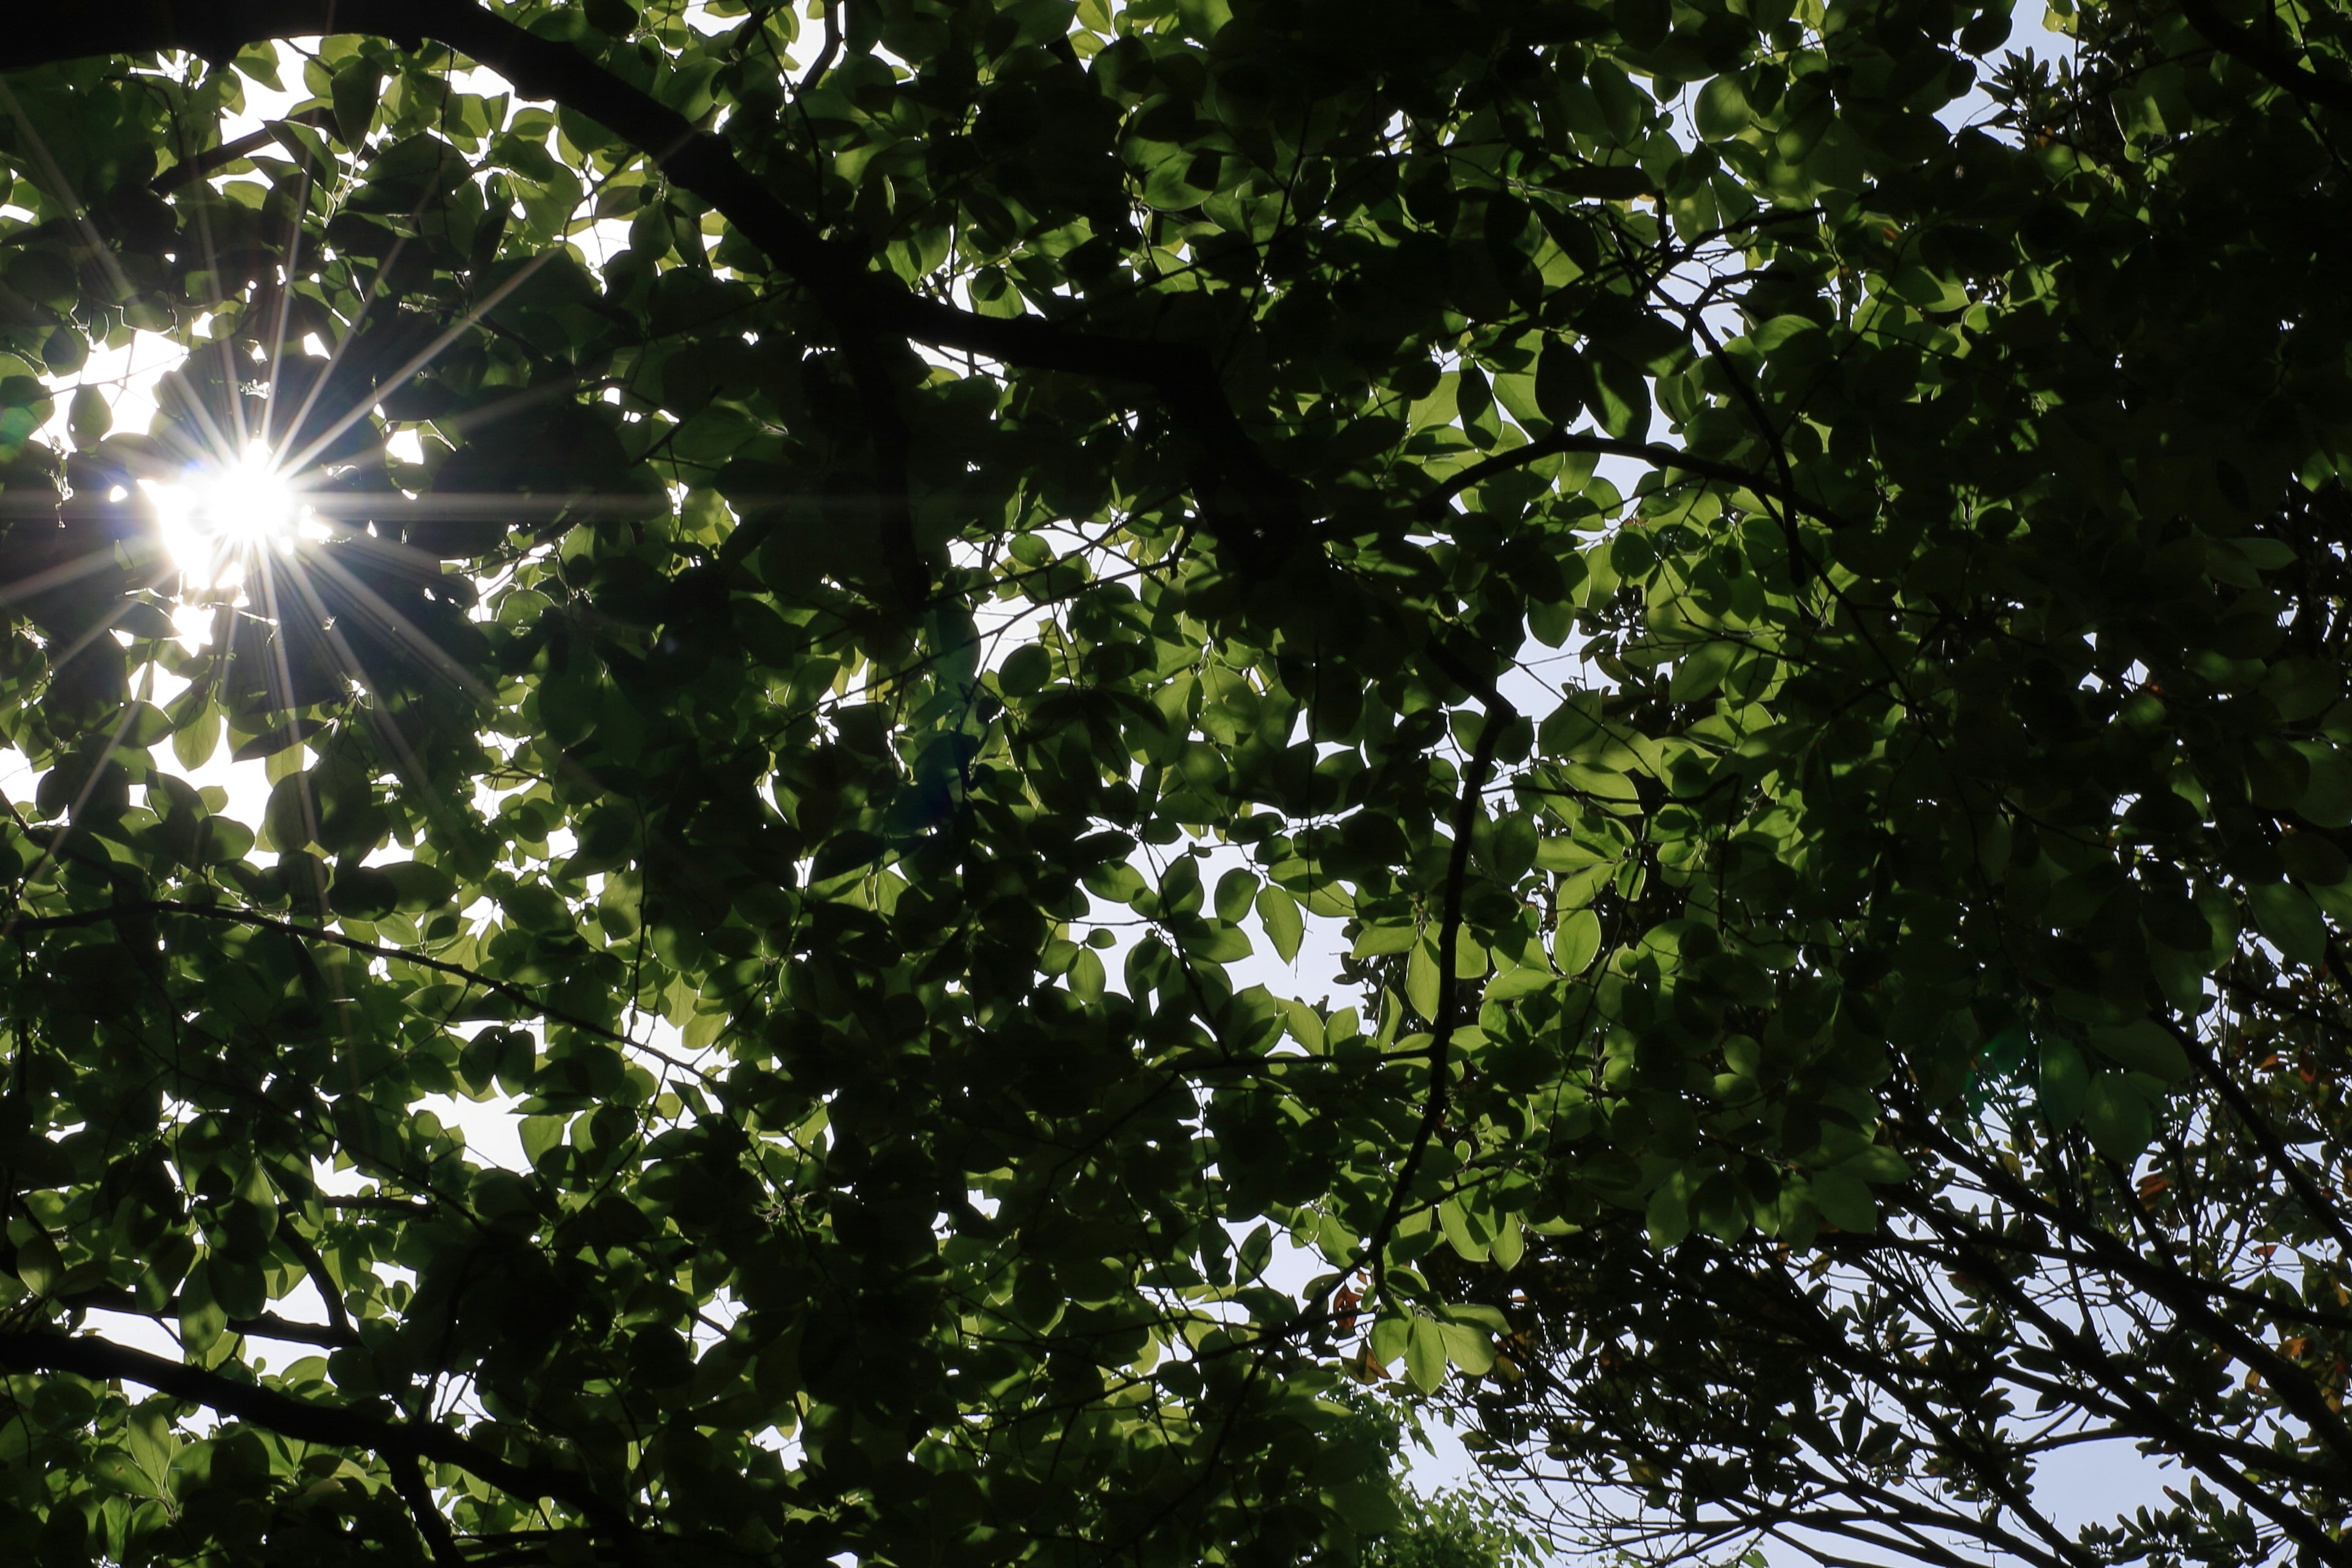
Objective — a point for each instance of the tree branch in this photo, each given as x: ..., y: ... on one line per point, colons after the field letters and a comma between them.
x: 330, y: 1425
x: 191, y: 170
x: 417, y: 1208
x: 2192, y: 1445
x: 408, y: 1480
x: 1500, y: 714
x: 2296, y: 1390
x: 1432, y: 506
x: 267, y: 1326
x: 315, y: 1267
x: 1245, y: 500
x: 2278, y: 66
x: 336, y: 939
x: 2259, y: 1128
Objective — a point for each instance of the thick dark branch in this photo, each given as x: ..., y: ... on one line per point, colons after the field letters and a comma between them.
x: 1432, y: 506
x: 1242, y: 492
x: 408, y: 1480
x: 195, y: 168
x: 330, y: 1425
x: 2276, y: 63
x: 323, y: 1282
x: 1244, y: 497
x: 512, y: 992
x: 267, y: 1326
x: 415, y: 1208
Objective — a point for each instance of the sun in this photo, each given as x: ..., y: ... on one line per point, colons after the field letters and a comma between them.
x: 218, y: 516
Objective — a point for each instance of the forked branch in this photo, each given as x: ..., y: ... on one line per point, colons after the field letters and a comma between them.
x: 1500, y: 715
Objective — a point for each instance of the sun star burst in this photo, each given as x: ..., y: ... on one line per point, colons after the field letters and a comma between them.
x: 219, y: 515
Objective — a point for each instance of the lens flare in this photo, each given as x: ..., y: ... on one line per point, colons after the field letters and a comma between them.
x: 217, y: 517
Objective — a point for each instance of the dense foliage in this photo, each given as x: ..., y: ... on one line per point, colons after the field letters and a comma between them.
x: 866, y: 560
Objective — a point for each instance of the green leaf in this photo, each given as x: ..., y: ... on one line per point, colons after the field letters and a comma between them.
x: 1576, y: 942
x: 2314, y: 860
x: 2287, y: 916
x: 152, y: 1444
x: 1089, y: 980
x: 1234, y: 890
x: 1721, y: 108
x: 2303, y: 688
x: 1460, y: 1232
x: 37, y: 1263
x: 90, y: 416
x: 1179, y: 888
x: 1510, y: 984
x: 1374, y: 940
x: 1277, y: 912
x: 1700, y: 671
x: 2064, y: 1079
x: 358, y: 87
x: 195, y: 734
x: 1844, y: 1201
x: 1423, y: 984
x: 1510, y: 1243
x: 2326, y: 800
x: 1424, y: 1355
x: 1467, y: 1348
x: 1618, y: 397
x: 2144, y: 1046
x: 1511, y: 847
x: 1668, y: 1214
x: 2117, y: 1116
x: 1563, y: 383
x: 1878, y: 1163
x: 539, y: 1135
x: 202, y: 1319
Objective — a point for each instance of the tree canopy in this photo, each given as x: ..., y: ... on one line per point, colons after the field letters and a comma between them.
x: 1748, y: 595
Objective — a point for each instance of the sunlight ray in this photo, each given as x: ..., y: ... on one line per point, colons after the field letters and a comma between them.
x: 505, y: 407
x: 232, y: 383
x: 343, y: 340
x: 283, y: 675
x: 104, y: 624
x: 348, y: 508
x: 90, y: 635
x: 335, y: 353
x: 404, y: 757
x: 387, y: 618
x: 190, y: 448
x: 81, y: 214
x: 393, y: 622
x: 82, y: 798
x: 405, y: 559
x: 286, y: 269
x: 210, y: 443
x: 464, y: 323
x: 68, y: 572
